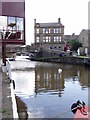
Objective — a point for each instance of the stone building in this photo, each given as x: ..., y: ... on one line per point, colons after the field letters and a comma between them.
x: 89, y: 28
x: 84, y: 39
x: 67, y: 38
x: 89, y: 43
x: 49, y: 35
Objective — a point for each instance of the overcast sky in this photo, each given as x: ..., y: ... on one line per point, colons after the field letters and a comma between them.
x: 73, y: 14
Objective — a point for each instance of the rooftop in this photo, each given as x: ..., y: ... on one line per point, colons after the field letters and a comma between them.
x: 51, y: 24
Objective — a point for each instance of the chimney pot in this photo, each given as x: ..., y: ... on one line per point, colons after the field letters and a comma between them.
x: 59, y: 20
x: 34, y: 22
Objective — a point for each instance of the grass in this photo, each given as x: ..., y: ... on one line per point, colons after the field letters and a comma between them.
x: 3, y: 110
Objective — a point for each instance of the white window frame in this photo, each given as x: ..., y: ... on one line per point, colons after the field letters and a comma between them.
x: 44, y: 30
x: 49, y: 39
x: 57, y: 30
x: 37, y: 39
x: 57, y: 38
x: 44, y: 39
x: 49, y: 30
x: 37, y: 31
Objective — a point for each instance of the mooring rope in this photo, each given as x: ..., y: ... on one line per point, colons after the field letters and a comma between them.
x: 84, y: 112
x: 66, y: 112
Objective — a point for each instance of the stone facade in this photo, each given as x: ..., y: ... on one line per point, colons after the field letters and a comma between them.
x: 89, y: 44
x: 84, y: 39
x: 89, y: 27
x: 0, y: 8
x: 67, y: 38
x: 49, y: 35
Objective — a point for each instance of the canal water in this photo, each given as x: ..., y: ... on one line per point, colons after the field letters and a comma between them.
x: 43, y: 91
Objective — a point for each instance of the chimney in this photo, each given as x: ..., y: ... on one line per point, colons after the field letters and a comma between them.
x: 59, y: 20
x: 34, y: 22
x: 73, y: 34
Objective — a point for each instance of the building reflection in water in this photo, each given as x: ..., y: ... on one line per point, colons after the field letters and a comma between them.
x: 44, y: 90
x: 84, y: 77
x: 21, y: 109
x: 47, y: 79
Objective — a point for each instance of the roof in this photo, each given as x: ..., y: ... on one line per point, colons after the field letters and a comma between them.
x: 86, y: 30
x: 49, y: 25
x: 70, y: 37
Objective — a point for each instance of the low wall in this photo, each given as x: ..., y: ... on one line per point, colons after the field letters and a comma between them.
x: 69, y: 60
x: 47, y: 55
x: 64, y: 60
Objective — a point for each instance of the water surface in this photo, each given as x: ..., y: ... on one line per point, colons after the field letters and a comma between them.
x: 45, y: 92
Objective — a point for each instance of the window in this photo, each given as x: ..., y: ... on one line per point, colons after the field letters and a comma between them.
x: 49, y: 31
x: 12, y: 23
x: 37, y: 31
x: 43, y: 30
x: 37, y: 39
x: 60, y: 30
x: 46, y: 30
x: 44, y: 39
x: 57, y: 30
x: 20, y: 27
x: 57, y: 39
x: 15, y: 29
x: 54, y: 31
x: 19, y: 23
x: 3, y: 26
x: 49, y: 39
x: 3, y: 22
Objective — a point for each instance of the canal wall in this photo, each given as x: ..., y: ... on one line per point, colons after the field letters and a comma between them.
x: 64, y: 60
x: 6, y: 108
x: 58, y: 57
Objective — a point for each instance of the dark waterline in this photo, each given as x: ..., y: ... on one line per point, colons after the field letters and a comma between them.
x: 43, y: 92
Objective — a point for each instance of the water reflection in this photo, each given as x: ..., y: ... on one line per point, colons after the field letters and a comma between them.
x: 48, y: 79
x: 21, y: 109
x: 45, y: 92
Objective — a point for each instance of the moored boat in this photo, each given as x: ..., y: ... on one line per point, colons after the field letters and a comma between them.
x: 87, y: 62
x: 81, y: 111
x: 10, y: 59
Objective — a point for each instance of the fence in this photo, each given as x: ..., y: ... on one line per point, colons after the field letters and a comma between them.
x: 14, y: 105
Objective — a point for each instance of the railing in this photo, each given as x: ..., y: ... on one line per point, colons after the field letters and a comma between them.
x: 12, y: 34
x: 14, y: 105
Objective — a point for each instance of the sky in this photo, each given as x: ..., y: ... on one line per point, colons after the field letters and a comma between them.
x: 73, y: 14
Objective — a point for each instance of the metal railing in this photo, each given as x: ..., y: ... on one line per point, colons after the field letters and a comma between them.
x: 14, y: 105
x: 12, y: 34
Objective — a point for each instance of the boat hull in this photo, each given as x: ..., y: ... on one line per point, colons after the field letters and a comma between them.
x: 79, y: 114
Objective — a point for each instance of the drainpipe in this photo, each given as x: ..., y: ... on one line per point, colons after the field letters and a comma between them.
x: 4, y: 53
